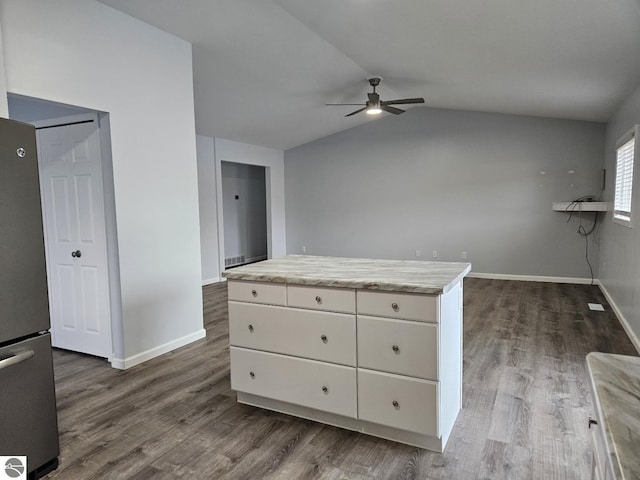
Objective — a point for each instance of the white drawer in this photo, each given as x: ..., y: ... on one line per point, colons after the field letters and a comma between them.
x: 398, y: 346
x: 408, y: 306
x: 257, y: 292
x: 319, y: 298
x: 400, y: 402
x: 326, y: 387
x: 323, y: 336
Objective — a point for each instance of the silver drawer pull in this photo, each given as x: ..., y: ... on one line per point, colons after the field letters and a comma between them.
x: 319, y: 300
x: 396, y: 349
x: 254, y: 293
x: 252, y: 375
x: 251, y: 328
x: 325, y: 390
x: 395, y: 307
x: 396, y: 405
x: 324, y: 339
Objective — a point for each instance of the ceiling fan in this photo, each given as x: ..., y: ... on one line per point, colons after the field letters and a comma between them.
x: 374, y: 105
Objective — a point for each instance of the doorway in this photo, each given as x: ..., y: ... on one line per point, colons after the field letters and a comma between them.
x: 244, y: 212
x: 76, y: 184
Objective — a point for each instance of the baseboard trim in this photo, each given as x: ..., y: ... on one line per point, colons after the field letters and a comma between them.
x: 210, y: 281
x: 259, y: 258
x: 621, y: 318
x: 533, y: 278
x: 125, y: 363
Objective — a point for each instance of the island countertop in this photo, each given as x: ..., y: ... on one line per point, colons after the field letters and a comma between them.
x: 371, y: 274
x: 616, y: 383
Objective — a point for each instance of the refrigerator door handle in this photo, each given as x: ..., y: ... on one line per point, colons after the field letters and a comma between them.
x: 15, y: 359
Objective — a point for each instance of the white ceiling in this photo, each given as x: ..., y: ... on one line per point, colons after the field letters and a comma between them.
x: 263, y: 69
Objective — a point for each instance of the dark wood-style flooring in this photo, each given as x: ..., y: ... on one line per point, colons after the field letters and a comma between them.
x: 525, y: 409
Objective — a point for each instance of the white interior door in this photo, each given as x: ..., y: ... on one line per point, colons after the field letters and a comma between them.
x: 74, y: 220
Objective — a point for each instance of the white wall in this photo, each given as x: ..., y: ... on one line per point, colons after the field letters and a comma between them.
x: 29, y: 110
x: 620, y: 250
x: 211, y: 154
x: 450, y: 181
x: 208, y: 210
x: 4, y: 107
x: 80, y: 52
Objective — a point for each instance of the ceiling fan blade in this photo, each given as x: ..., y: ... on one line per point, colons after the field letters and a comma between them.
x: 337, y: 104
x: 394, y: 110
x: 403, y: 101
x: 357, y: 111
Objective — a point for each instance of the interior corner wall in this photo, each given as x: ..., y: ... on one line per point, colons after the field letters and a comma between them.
x: 81, y: 52
x: 273, y: 160
x: 4, y: 106
x: 620, y: 249
x: 449, y: 181
x: 208, y: 210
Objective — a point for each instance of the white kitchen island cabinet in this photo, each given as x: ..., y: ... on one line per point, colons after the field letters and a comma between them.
x: 373, y: 346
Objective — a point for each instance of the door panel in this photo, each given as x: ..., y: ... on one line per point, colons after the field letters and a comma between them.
x: 86, y: 209
x: 76, y: 237
x: 90, y: 299
x: 65, y: 297
x: 60, y: 209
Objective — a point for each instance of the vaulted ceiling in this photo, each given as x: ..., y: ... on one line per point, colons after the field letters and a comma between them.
x: 264, y: 69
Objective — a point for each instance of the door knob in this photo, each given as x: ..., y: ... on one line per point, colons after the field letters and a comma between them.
x: 76, y: 254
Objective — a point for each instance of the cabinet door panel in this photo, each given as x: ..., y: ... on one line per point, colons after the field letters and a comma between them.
x: 322, y: 336
x: 400, y: 402
x: 398, y: 346
x: 318, y: 298
x: 257, y: 292
x: 324, y: 386
x: 407, y: 306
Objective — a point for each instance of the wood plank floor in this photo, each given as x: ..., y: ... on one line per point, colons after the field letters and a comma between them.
x: 525, y: 409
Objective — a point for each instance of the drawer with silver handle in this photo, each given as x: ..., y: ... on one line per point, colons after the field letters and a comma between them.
x: 398, y: 346
x: 325, y: 336
x: 320, y: 298
x: 319, y: 385
x: 396, y: 401
x: 407, y: 306
x: 257, y: 292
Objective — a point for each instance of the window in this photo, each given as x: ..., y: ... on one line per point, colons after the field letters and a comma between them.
x: 625, y: 149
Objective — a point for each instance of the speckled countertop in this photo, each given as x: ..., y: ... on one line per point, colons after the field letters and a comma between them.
x: 389, y: 275
x: 615, y: 380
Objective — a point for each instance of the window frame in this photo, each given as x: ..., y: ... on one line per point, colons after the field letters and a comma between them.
x: 631, y: 134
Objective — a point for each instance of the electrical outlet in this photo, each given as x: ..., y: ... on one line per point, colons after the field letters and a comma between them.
x: 304, y: 249
x: 463, y: 255
x: 418, y: 253
x: 434, y: 254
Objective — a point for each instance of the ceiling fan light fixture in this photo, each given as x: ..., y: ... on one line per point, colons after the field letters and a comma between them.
x: 374, y: 108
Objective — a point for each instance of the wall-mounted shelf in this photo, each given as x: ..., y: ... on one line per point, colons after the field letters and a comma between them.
x: 580, y: 206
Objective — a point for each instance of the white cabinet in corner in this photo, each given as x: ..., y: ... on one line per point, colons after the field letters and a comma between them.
x: 385, y: 363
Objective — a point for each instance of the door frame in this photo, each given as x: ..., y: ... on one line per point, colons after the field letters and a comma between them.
x: 266, y: 217
x: 107, y: 212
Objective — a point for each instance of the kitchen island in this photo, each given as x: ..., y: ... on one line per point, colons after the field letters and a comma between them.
x: 373, y: 346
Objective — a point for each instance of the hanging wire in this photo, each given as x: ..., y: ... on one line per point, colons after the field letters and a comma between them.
x: 582, y: 231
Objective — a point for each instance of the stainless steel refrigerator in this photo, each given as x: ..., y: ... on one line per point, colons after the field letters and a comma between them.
x: 28, y: 421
